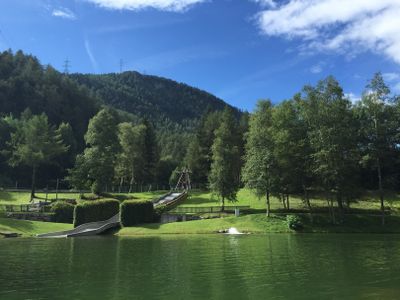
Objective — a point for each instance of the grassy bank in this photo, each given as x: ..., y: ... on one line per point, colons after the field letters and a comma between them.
x: 260, y: 224
x: 369, y: 200
x: 31, y: 228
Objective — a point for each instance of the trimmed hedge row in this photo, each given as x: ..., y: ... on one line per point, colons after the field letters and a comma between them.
x: 136, y: 212
x: 93, y: 211
x: 63, y: 212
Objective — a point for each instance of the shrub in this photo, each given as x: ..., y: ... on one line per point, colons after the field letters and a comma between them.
x: 158, y: 211
x: 136, y: 211
x: 93, y: 211
x: 63, y: 212
x: 294, y: 222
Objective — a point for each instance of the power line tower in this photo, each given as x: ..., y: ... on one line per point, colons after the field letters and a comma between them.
x: 121, y: 65
x: 66, y: 66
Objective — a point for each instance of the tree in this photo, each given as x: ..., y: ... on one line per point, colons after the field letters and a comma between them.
x: 224, y: 172
x: 100, y: 155
x: 291, y: 151
x: 131, y: 159
x: 258, y: 167
x: 333, y: 139
x: 379, y: 123
x: 33, y: 143
x: 151, y: 154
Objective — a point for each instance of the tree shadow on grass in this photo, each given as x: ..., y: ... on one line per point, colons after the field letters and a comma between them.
x: 7, y: 196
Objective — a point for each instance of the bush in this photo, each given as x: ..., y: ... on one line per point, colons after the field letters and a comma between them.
x: 158, y: 211
x: 63, y: 212
x: 294, y: 222
x: 136, y: 211
x: 93, y: 211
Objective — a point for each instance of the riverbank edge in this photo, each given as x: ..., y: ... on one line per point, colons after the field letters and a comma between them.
x: 260, y: 224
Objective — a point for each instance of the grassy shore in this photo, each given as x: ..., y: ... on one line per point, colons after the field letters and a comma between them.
x: 260, y: 224
x: 369, y: 200
x: 31, y: 228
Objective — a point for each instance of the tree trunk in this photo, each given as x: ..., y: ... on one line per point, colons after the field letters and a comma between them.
x: 340, y: 205
x: 268, y: 204
x: 381, y: 190
x: 121, y: 182
x: 308, y: 204
x: 223, y: 204
x: 287, y: 202
x: 283, y: 199
x: 33, y: 183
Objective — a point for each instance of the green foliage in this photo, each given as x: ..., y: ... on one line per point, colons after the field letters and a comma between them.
x: 294, y: 222
x: 136, y: 212
x: 225, y: 168
x: 63, y: 212
x: 93, y: 211
x: 99, y: 158
x: 259, y: 151
x: 34, y: 142
x: 130, y: 161
x: 158, y: 211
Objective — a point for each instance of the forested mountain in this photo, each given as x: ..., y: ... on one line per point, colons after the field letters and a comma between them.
x: 152, y: 97
x: 173, y: 108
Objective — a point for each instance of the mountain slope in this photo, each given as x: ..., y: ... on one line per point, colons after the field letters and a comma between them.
x: 150, y: 96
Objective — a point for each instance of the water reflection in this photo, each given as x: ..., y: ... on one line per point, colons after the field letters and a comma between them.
x: 202, y: 267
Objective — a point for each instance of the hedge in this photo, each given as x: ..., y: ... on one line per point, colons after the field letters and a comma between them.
x: 93, y: 211
x: 63, y: 212
x: 136, y: 212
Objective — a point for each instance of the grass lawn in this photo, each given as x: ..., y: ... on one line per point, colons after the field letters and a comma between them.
x: 245, y: 197
x: 256, y: 223
x: 260, y: 224
x: 31, y: 228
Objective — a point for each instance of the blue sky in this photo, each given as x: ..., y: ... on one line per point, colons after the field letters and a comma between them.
x: 239, y: 50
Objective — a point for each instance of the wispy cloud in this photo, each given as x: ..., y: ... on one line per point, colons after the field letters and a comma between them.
x: 391, y: 76
x: 352, y: 97
x: 167, y: 5
x: 337, y: 25
x: 316, y: 69
x: 91, y: 56
x: 64, y: 13
x: 172, y: 58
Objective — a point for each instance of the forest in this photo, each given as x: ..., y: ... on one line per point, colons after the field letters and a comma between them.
x: 85, y: 129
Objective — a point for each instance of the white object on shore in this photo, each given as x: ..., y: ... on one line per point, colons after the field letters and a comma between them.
x: 233, y: 230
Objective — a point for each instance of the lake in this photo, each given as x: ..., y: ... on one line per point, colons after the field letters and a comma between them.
x: 278, y: 266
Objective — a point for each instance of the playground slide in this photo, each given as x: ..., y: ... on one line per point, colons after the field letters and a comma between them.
x: 85, y: 229
x: 101, y: 226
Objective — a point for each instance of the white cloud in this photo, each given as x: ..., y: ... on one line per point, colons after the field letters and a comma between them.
x: 266, y: 3
x: 339, y: 25
x: 64, y: 13
x: 167, y: 5
x: 91, y: 56
x: 396, y: 87
x: 352, y: 97
x: 316, y: 69
x: 390, y: 76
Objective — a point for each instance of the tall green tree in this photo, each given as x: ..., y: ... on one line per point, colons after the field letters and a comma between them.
x: 259, y: 162
x: 99, y: 157
x: 223, y: 178
x: 131, y: 158
x: 379, y: 124
x: 151, y: 154
x: 33, y: 143
x: 333, y: 138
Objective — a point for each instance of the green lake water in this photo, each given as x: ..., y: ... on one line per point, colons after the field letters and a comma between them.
x: 279, y: 266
